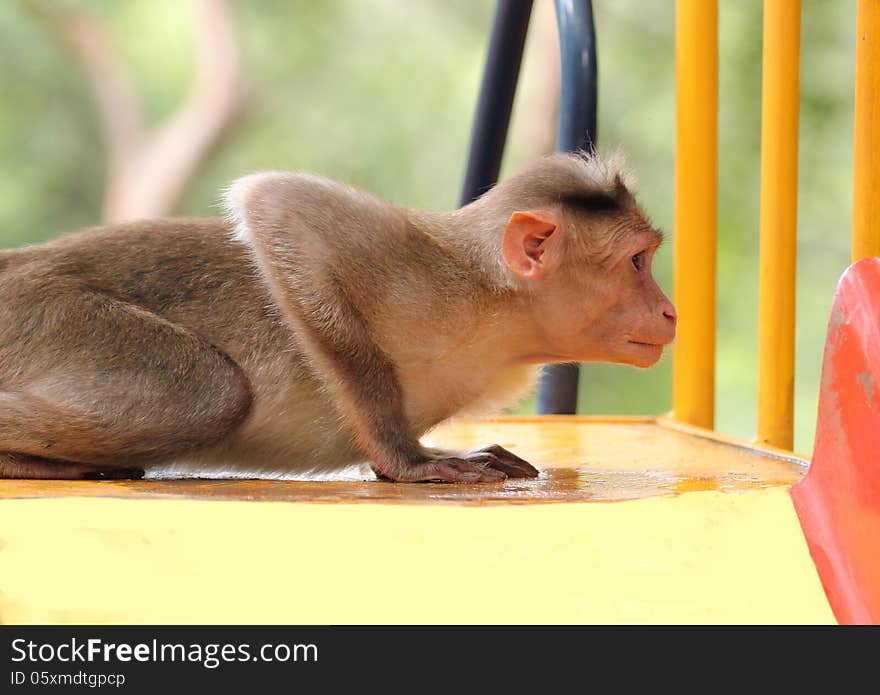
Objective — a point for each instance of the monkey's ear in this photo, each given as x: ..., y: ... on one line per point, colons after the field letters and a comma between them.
x: 530, y: 243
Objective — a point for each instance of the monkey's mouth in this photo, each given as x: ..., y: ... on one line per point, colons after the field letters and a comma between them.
x: 644, y: 354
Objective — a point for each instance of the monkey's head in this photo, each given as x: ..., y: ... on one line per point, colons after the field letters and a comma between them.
x: 580, y: 251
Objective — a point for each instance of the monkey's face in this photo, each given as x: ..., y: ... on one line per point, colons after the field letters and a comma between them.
x: 590, y: 310
x: 614, y: 311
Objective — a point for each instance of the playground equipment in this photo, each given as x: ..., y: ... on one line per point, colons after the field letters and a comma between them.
x: 702, y: 528
x: 839, y: 500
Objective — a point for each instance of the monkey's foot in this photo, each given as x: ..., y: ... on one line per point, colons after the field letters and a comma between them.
x: 491, y: 464
x: 14, y: 465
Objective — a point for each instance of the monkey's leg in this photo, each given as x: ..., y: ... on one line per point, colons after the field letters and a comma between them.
x: 367, y: 391
x: 105, y: 387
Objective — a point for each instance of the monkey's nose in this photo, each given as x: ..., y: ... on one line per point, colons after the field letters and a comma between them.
x: 670, y: 313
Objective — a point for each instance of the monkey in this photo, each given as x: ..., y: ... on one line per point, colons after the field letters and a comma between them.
x: 316, y: 326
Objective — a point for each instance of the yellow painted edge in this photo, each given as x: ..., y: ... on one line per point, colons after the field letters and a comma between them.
x: 667, y: 421
x: 703, y: 557
x: 730, y: 440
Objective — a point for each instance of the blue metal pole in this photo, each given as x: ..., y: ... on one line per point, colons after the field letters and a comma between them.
x: 576, y: 126
x: 496, y: 97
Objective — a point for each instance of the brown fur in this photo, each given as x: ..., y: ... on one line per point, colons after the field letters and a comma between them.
x: 317, y: 328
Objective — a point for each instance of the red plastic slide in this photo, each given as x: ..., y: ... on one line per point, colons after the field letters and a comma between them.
x: 838, y: 502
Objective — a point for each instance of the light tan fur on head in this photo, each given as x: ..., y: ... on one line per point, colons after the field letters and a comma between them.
x: 566, y: 182
x: 557, y: 177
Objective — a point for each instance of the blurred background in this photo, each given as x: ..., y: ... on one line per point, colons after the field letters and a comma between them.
x: 124, y: 108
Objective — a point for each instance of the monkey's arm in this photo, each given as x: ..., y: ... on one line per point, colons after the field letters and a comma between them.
x: 320, y: 247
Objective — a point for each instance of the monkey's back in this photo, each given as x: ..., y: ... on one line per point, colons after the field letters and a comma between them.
x: 186, y: 270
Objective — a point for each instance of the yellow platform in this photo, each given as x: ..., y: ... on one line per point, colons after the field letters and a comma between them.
x: 701, y: 529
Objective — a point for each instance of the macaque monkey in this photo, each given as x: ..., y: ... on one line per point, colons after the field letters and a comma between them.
x: 318, y: 326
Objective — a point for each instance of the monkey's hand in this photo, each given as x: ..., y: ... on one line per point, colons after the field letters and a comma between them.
x: 487, y: 465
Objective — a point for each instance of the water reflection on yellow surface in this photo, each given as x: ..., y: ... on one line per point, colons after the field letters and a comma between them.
x: 581, y: 460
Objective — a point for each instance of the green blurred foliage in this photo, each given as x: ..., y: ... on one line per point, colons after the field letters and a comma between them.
x: 381, y: 93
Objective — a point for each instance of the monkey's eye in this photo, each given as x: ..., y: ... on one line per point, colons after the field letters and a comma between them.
x: 638, y: 260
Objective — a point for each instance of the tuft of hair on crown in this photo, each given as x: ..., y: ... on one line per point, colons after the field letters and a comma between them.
x: 582, y: 179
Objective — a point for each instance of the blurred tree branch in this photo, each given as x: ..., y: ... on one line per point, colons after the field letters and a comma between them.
x: 534, y: 117
x: 149, y: 167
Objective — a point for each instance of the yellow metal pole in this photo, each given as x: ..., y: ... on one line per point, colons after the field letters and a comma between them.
x: 866, y: 183
x: 696, y: 165
x: 779, y: 175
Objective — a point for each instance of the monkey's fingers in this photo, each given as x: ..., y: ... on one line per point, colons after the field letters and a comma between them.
x: 466, y: 471
x: 510, y: 463
x: 448, y: 470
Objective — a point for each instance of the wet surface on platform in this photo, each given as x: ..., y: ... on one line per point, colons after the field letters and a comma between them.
x: 580, y: 460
